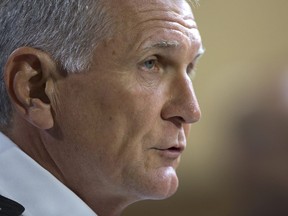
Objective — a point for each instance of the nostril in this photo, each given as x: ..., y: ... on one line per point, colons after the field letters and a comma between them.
x: 178, y: 121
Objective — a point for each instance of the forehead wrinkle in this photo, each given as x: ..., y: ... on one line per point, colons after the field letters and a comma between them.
x: 177, y: 14
x: 186, y: 21
x: 163, y: 13
x: 148, y: 44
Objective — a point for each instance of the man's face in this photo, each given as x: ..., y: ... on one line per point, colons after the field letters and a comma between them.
x: 123, y: 124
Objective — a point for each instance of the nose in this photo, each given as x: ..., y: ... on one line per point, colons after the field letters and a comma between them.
x: 182, y: 105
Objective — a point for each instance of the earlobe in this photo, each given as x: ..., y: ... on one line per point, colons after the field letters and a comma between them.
x: 26, y: 74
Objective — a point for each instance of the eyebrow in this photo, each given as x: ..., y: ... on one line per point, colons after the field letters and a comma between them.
x: 162, y: 44
x: 173, y: 44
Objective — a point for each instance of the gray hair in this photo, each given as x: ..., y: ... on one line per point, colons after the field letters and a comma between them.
x: 69, y: 30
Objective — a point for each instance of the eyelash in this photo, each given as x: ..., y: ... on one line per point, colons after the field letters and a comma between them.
x: 155, y: 66
x: 191, y: 69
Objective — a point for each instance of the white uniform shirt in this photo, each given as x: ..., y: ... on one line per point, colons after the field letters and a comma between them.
x: 25, y: 181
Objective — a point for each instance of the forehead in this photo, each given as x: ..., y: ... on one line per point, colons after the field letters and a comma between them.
x: 133, y: 9
x: 138, y: 5
x: 139, y: 20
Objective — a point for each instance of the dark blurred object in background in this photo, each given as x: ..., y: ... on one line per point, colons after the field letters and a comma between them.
x: 261, y: 153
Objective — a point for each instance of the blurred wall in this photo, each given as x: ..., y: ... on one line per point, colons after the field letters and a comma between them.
x: 246, y: 49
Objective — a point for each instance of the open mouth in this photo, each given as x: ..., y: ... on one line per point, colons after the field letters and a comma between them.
x: 174, y: 149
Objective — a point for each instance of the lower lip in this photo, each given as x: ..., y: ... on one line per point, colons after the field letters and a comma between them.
x: 169, y: 153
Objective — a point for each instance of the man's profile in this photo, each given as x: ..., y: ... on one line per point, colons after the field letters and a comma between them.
x: 96, y: 102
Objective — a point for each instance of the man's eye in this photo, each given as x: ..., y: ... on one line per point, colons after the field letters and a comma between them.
x: 150, y: 64
x: 191, y: 71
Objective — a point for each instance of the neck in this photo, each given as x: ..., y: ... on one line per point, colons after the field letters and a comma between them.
x: 30, y: 140
x: 97, y: 196
x: 108, y: 204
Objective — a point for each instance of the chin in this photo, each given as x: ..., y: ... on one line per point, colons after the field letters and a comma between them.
x: 168, y: 184
x: 161, y: 185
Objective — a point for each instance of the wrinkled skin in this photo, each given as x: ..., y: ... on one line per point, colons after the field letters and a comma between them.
x: 119, y: 129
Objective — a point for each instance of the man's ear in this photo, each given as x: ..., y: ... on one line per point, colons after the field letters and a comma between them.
x: 29, y: 77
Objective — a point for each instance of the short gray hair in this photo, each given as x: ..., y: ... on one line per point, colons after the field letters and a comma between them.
x: 69, y: 30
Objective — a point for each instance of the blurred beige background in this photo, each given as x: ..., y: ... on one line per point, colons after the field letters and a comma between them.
x: 246, y: 53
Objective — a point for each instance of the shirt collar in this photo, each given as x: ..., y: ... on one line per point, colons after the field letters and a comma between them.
x: 25, y: 181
